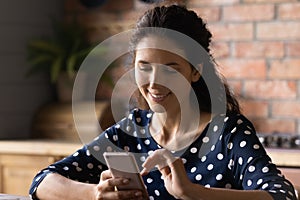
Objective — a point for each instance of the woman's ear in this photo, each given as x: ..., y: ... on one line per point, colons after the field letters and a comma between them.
x: 196, y: 74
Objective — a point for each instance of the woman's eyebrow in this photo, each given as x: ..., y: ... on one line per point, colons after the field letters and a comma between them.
x: 168, y: 64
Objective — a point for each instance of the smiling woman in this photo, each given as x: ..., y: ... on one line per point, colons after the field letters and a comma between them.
x: 192, y: 129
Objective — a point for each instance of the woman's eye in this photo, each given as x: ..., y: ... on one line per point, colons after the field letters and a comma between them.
x: 170, y: 70
x: 145, y: 67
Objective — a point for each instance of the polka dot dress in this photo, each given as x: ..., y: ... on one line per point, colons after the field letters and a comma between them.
x: 227, y: 154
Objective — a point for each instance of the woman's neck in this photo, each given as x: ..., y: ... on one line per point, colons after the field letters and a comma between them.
x: 176, y: 130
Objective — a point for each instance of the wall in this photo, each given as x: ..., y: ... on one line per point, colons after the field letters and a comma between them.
x: 21, y: 97
x: 256, y: 43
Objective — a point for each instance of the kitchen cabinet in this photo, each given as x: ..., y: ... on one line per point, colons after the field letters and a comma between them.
x: 20, y: 161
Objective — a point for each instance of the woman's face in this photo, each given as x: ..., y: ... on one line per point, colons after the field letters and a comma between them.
x: 163, y: 78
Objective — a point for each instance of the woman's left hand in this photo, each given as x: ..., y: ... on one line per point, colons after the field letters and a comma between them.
x: 172, y: 169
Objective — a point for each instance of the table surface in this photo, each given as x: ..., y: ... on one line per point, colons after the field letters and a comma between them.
x: 13, y: 197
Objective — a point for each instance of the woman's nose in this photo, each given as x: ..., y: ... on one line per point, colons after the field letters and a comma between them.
x: 156, y: 77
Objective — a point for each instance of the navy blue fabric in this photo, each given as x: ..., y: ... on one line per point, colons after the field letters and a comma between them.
x: 227, y: 154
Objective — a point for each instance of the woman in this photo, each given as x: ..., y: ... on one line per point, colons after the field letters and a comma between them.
x: 188, y: 113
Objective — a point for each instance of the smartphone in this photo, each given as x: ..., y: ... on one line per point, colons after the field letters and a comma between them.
x: 123, y: 164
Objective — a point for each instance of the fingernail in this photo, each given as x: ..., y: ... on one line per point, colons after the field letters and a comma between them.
x: 138, y: 194
x: 125, y: 181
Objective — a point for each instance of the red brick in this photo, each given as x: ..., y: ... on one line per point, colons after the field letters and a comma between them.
x: 236, y: 87
x: 270, y: 89
x: 293, y: 49
x: 286, y: 109
x: 290, y: 11
x: 259, y: 12
x: 285, y: 69
x: 259, y: 49
x: 211, y: 2
x: 220, y: 49
x: 254, y: 108
x: 278, y: 30
x: 232, y: 31
x: 274, y: 125
x: 241, y: 68
x: 209, y: 14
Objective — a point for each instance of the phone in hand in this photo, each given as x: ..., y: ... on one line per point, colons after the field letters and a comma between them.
x: 123, y: 164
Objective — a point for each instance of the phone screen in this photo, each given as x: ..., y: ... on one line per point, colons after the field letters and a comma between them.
x: 123, y: 164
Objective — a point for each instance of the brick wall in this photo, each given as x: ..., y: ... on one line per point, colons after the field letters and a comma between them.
x: 255, y: 42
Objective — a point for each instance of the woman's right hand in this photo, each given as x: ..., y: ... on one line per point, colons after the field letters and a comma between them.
x: 106, y: 188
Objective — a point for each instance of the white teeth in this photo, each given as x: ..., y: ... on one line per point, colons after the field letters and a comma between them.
x: 158, y: 96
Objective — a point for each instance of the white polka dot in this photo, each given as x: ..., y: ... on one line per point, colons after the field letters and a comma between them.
x: 282, y: 191
x: 198, y: 177
x: 147, y: 142
x: 134, y: 134
x: 96, y: 148
x: 207, y: 186
x: 109, y: 148
x: 76, y: 154
x: 78, y: 169
x: 139, y: 147
x: 142, y: 131
x: 205, y: 139
x: 126, y: 148
x: 230, y: 145
x: 247, y: 132
x: 100, y: 167
x: 66, y: 168
x: 220, y: 156
x: 90, y: 165
x: 193, y: 169
x: 251, y: 168
x: 117, y: 126
x: 249, y: 183
x: 106, y: 135
x: 183, y: 160
x: 219, y: 177
x: 233, y: 130
x: 221, y: 136
x: 128, y: 128
x: 142, y: 158
x: 240, y: 160
x: 88, y: 152
x: 265, y: 186
x: 138, y: 119
x: 226, y: 118
x: 259, y: 181
x: 265, y: 170
x: 151, y: 198
x: 256, y: 146
x: 130, y: 116
x: 272, y: 191
x: 241, y: 177
x: 216, y: 128
x: 228, y: 186
x: 239, y: 121
x: 149, y: 115
x: 157, y: 192
x: 243, y: 144
x: 212, y: 148
x: 150, y: 152
x: 203, y: 159
x: 210, y: 167
x: 194, y: 150
x: 149, y: 180
x: 230, y: 164
x: 75, y: 164
x: 38, y: 178
x: 277, y: 185
x: 115, y: 137
x: 249, y: 159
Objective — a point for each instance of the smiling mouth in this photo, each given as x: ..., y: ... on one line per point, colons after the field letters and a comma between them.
x: 158, y: 97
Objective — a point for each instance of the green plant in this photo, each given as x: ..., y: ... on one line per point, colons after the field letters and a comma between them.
x: 64, y: 51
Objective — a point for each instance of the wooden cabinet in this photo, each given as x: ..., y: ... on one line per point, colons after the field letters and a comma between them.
x: 20, y: 161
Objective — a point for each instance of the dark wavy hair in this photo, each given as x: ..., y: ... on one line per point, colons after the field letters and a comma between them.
x: 187, y: 22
